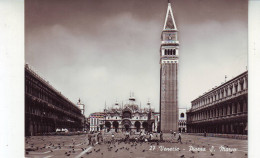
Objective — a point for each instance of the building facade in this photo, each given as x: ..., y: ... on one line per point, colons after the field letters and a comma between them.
x: 182, y: 120
x: 169, y: 74
x: 224, y: 109
x: 81, y: 107
x: 126, y: 117
x: 96, y: 121
x: 46, y: 109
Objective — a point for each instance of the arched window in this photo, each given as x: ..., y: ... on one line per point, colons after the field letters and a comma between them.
x: 166, y: 51
x: 171, y: 52
x: 182, y: 115
x: 174, y: 52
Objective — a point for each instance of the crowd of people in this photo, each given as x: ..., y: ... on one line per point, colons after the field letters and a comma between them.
x: 98, y: 137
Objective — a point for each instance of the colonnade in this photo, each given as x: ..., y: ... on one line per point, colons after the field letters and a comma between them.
x: 222, y: 110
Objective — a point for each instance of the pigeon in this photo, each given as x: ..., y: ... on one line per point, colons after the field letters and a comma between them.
x: 211, y: 154
x: 182, y: 156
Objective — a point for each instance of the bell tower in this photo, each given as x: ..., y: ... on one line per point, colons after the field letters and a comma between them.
x: 169, y: 55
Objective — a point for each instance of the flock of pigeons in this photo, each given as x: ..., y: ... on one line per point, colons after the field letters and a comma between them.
x: 122, y: 145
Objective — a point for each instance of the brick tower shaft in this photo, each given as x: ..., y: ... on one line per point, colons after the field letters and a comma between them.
x: 169, y: 56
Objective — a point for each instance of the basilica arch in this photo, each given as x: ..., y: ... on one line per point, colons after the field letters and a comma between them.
x: 108, y: 126
x: 115, y: 125
x: 126, y: 124
x: 137, y: 126
x: 145, y: 125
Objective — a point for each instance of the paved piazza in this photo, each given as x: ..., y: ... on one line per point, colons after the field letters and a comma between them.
x: 77, y: 146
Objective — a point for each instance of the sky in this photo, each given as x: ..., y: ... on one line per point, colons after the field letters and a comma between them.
x: 100, y: 50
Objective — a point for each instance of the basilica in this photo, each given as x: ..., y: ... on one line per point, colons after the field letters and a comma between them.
x: 127, y: 116
x: 130, y: 117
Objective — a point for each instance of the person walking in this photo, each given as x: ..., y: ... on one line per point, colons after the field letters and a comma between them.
x: 93, y: 139
x: 150, y: 136
x: 179, y: 137
x: 172, y: 136
x: 113, y: 138
x: 161, y: 136
x: 89, y: 138
x: 99, y: 138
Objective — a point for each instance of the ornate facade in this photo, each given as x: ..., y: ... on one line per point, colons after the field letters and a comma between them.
x: 224, y: 109
x: 46, y: 109
x: 130, y: 117
x: 169, y: 55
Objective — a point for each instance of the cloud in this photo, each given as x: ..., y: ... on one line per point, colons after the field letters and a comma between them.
x: 101, y: 52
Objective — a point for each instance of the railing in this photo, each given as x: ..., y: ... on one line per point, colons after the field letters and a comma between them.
x: 235, y: 95
x: 169, y: 42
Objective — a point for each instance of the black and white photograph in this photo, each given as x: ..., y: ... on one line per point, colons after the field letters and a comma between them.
x: 136, y: 78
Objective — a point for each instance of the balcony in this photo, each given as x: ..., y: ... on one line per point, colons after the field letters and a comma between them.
x: 235, y: 95
x: 241, y: 115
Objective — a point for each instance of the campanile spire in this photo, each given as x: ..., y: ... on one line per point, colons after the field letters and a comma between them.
x: 169, y: 23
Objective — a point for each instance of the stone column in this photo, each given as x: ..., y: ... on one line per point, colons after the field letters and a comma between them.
x: 245, y: 106
x: 228, y: 109
x: 245, y: 83
x: 239, y: 86
x: 231, y: 128
x: 234, y: 89
x: 233, y: 108
x: 223, y: 129
x: 224, y: 111
x: 238, y: 107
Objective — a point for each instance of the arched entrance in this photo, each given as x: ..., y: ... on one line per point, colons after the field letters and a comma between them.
x: 115, y: 125
x: 126, y: 124
x: 108, y: 126
x: 137, y: 125
x: 145, y: 126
